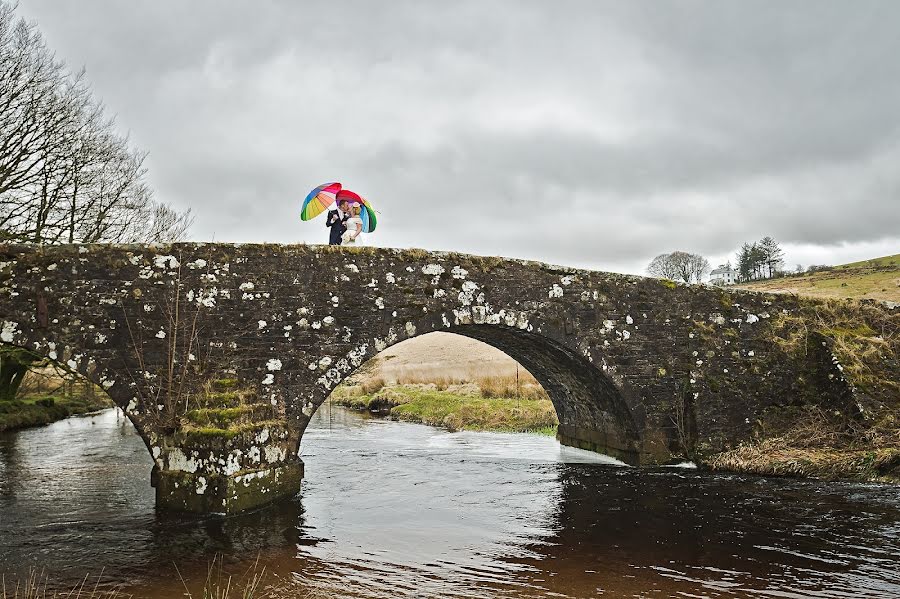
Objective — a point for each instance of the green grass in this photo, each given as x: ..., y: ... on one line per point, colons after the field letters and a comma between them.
x: 226, y: 417
x: 886, y: 261
x: 37, y: 410
x: 202, y: 434
x: 225, y: 410
x: 456, y: 411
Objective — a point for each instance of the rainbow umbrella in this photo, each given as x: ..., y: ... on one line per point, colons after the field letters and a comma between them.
x: 366, y: 213
x: 318, y: 200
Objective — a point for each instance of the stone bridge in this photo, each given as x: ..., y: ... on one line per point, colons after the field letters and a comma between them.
x: 220, y: 354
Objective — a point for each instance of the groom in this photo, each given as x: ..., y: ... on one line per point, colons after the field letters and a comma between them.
x: 337, y: 220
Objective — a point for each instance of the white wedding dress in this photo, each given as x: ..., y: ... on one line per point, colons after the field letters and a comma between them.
x: 351, y: 224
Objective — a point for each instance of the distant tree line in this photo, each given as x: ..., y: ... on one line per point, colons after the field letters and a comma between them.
x: 763, y: 259
x: 66, y: 175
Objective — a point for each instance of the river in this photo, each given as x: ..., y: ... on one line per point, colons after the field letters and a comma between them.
x: 391, y: 509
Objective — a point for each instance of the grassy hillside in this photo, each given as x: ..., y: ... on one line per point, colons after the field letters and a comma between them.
x: 877, y: 279
x: 887, y: 261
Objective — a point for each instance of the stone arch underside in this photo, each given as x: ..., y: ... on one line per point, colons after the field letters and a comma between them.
x: 591, y: 408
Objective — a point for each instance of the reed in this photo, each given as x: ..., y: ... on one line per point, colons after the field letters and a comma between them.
x: 219, y: 584
x: 36, y: 585
x: 253, y: 583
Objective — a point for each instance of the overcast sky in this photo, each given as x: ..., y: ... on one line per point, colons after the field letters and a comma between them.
x: 594, y: 134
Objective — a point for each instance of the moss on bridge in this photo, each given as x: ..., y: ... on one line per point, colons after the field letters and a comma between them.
x: 806, y: 437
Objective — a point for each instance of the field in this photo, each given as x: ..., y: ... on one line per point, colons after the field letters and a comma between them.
x: 456, y: 402
x: 447, y: 380
x: 877, y: 279
x: 442, y: 358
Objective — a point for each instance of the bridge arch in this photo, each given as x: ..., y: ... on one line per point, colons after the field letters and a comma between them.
x: 591, y: 406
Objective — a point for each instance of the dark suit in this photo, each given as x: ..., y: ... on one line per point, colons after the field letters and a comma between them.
x: 338, y: 226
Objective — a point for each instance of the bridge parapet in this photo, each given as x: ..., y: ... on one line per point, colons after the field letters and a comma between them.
x: 642, y: 369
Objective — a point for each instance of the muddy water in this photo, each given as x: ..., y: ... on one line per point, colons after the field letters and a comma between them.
x: 401, y: 510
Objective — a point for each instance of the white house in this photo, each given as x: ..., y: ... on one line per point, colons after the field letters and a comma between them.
x: 723, y: 275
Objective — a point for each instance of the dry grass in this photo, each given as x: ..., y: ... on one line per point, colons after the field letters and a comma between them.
x: 525, y: 387
x: 866, y: 340
x: 776, y: 457
x: 221, y: 585
x: 877, y: 279
x: 427, y: 376
x: 819, y: 445
x: 373, y: 385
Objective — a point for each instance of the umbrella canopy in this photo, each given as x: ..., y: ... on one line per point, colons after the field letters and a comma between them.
x: 318, y: 200
x: 366, y: 212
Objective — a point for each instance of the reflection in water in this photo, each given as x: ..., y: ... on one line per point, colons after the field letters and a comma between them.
x: 391, y: 509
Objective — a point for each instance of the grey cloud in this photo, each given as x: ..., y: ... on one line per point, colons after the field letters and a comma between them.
x: 591, y: 133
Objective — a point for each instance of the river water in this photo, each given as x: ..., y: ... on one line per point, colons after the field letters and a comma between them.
x: 390, y: 509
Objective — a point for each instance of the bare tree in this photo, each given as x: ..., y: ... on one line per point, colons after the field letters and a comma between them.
x: 164, y: 224
x: 695, y: 268
x: 66, y: 176
x: 663, y: 267
x: 679, y: 266
x: 30, y: 81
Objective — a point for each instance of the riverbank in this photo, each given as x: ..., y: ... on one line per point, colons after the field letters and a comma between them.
x: 39, y: 410
x: 772, y: 457
x: 809, y: 437
x: 820, y: 445
x: 454, y: 407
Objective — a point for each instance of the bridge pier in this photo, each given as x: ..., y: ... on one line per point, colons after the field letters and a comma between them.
x: 599, y: 442
x: 205, y: 493
x: 232, y: 453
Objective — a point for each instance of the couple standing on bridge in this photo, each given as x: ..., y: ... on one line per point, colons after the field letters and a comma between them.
x: 345, y: 223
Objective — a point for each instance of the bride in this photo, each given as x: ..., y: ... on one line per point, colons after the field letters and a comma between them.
x: 354, y: 226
